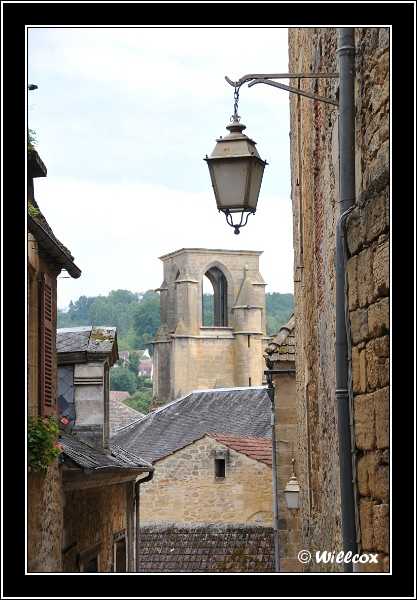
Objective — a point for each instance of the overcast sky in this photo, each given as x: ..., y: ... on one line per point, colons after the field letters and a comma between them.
x: 124, y: 117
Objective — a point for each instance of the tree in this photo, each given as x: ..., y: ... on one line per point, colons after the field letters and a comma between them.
x: 100, y: 312
x: 133, y: 364
x: 123, y: 297
x: 140, y: 401
x: 79, y: 312
x: 121, y: 379
x: 146, y: 318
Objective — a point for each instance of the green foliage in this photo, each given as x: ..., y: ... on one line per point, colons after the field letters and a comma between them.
x: 133, y: 364
x: 42, y: 443
x: 208, y: 310
x: 144, y: 381
x: 136, y: 315
x: 140, y: 401
x: 146, y: 319
x: 127, y: 340
x: 122, y: 379
x: 32, y: 141
x: 32, y: 210
x: 279, y: 308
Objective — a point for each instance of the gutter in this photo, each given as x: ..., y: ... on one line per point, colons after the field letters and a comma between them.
x: 50, y: 245
x: 137, y: 501
x: 344, y: 393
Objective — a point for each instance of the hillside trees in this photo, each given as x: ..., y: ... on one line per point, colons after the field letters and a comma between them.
x: 136, y: 315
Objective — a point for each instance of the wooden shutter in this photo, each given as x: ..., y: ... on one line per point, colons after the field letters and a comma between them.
x: 46, y: 354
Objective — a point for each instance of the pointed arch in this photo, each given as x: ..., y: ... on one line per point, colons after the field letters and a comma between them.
x: 222, y: 282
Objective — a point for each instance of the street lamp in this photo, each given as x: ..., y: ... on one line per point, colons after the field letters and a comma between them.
x: 346, y: 141
x: 292, y: 492
x: 236, y: 171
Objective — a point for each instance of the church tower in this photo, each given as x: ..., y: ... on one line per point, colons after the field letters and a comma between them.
x: 192, y: 355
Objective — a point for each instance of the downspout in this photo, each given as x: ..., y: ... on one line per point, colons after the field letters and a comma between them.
x: 271, y: 393
x: 347, y: 202
x: 137, y: 502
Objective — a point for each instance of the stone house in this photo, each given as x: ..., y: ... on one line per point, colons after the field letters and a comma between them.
x: 340, y: 181
x: 100, y: 481
x: 46, y: 258
x: 86, y: 490
x: 188, y: 353
x: 280, y: 360
x: 211, y: 450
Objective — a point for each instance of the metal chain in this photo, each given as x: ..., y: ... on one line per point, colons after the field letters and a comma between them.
x: 235, y: 116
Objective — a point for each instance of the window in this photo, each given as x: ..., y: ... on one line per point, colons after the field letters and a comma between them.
x: 46, y: 354
x: 119, y: 552
x: 216, y: 316
x: 219, y: 467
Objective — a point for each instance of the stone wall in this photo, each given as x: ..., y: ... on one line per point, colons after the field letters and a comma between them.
x: 315, y: 195
x: 94, y: 515
x: 185, y: 489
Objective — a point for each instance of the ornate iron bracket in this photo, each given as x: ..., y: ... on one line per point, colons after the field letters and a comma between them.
x: 266, y: 78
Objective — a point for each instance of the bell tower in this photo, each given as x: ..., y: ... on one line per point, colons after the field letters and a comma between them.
x: 189, y: 353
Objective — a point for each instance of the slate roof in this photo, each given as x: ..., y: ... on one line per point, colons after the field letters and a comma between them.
x: 121, y: 415
x: 86, y: 457
x: 238, y: 411
x: 258, y: 448
x: 78, y: 344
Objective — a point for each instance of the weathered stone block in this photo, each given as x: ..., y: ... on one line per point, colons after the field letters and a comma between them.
x: 356, y: 371
x: 363, y: 475
x: 365, y: 277
x: 382, y: 414
x: 352, y: 269
x: 381, y: 527
x: 364, y: 418
x: 381, y: 268
x: 378, y: 318
x: 366, y: 523
x: 359, y: 325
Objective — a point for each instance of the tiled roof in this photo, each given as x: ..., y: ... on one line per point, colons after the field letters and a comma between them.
x: 258, y: 448
x: 219, y: 548
x: 239, y: 411
x: 121, y: 415
x: 282, y: 346
x: 118, y: 395
x: 86, y: 457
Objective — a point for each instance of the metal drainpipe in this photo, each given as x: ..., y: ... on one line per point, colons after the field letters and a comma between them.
x: 271, y: 393
x: 347, y: 201
x: 137, y: 500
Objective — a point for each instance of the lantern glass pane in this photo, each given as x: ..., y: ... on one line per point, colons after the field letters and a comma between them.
x: 230, y: 184
x: 292, y: 499
x: 255, y: 184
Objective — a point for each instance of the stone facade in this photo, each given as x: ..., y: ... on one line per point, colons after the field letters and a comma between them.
x: 185, y: 488
x: 280, y: 358
x: 98, y: 491
x: 190, y: 356
x: 46, y: 257
x: 315, y: 199
x: 99, y: 516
